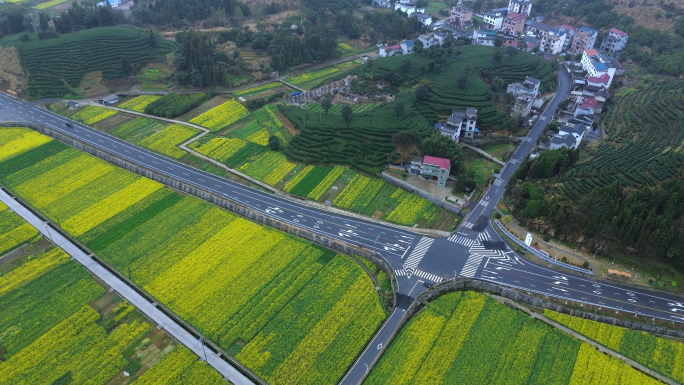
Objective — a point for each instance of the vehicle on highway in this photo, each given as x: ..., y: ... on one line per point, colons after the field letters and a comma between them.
x: 68, y: 124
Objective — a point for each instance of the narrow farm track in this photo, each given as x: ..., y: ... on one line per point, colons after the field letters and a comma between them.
x: 475, y: 250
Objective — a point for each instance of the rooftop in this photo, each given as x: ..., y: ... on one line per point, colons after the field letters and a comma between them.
x: 577, y: 127
x: 588, y: 30
x: 604, y: 78
x: 618, y: 32
x: 563, y: 140
x: 617, y: 64
x: 396, y: 46
x: 591, y: 52
x: 421, y: 15
x: 569, y: 27
x: 539, y: 26
x: 532, y: 80
x: 441, y: 162
x: 600, y: 66
x: 589, y: 103
x: 516, y: 16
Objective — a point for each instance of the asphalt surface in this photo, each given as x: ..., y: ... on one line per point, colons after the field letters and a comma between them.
x: 475, y: 250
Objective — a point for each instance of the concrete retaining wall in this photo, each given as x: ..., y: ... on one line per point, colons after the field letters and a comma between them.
x: 517, y: 296
x: 424, y: 194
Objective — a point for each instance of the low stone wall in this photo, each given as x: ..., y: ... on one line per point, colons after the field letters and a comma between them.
x: 517, y: 296
x: 424, y: 194
x: 255, y: 216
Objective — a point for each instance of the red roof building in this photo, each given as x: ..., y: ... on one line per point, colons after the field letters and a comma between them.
x: 435, y: 161
x: 603, y: 79
x: 618, y: 32
x: 589, y: 103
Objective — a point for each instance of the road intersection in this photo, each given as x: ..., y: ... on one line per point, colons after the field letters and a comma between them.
x: 475, y: 250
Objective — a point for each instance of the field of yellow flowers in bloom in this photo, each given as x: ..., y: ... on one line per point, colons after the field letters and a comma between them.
x: 222, y: 116
x: 469, y: 338
x: 660, y: 354
x: 93, y: 114
x: 138, y: 104
x: 13, y: 231
x: 167, y: 140
x: 249, y: 288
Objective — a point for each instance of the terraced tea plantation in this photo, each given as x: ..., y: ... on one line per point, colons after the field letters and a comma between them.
x: 59, y: 326
x: 55, y: 67
x: 646, y: 124
x: 287, y: 309
x: 365, y: 141
x: 469, y: 338
x: 660, y: 354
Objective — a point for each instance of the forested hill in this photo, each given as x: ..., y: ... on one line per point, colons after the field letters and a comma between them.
x: 628, y: 194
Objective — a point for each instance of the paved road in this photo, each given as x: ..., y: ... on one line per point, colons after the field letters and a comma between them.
x: 126, y: 292
x: 475, y: 250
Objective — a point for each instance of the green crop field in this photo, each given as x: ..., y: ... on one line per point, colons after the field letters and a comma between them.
x: 291, y: 311
x: 643, y: 146
x: 660, y: 354
x: 55, y: 67
x: 59, y: 326
x: 469, y: 338
x: 364, y: 142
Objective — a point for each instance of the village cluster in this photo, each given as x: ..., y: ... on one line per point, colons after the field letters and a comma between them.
x: 592, y: 73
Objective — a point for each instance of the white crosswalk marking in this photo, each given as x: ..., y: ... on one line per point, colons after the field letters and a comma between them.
x: 471, y: 265
x: 430, y: 277
x: 400, y: 272
x: 461, y: 240
x: 483, y: 202
x: 498, y: 182
x: 483, y: 236
x: 467, y: 224
x: 418, y: 253
x: 479, y: 249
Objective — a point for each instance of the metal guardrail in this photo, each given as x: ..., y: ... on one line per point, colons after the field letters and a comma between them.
x: 541, y: 255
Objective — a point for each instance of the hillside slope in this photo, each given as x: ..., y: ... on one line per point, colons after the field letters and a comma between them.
x: 55, y: 67
x: 627, y: 195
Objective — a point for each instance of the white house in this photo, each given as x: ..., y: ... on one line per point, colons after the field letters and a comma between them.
x: 423, y: 18
x: 482, y: 37
x: 493, y: 20
x: 461, y: 123
x: 390, y: 50
x: 530, y: 87
x: 569, y: 136
x: 597, y: 63
x: 408, y: 9
x: 523, y: 7
x: 552, y: 42
x: 615, y: 41
x: 406, y: 47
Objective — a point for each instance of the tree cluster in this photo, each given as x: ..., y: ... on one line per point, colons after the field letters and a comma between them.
x: 173, y: 104
x: 643, y: 220
x: 181, y: 12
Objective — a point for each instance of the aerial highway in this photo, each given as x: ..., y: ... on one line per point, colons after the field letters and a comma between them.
x: 474, y: 250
